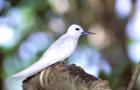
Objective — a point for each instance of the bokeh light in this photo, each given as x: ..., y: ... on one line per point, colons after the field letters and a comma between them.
x: 7, y: 35
x: 101, y: 38
x: 123, y: 8
x: 134, y: 52
x: 59, y: 6
x: 35, y: 43
x: 57, y: 25
x: 90, y: 59
x: 133, y: 33
x: 133, y: 27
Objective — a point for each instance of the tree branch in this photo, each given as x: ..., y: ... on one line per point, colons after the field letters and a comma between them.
x: 64, y: 77
x: 134, y: 77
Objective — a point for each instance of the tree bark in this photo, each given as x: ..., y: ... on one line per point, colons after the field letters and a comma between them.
x: 61, y: 76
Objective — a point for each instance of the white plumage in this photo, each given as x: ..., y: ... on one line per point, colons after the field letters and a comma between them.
x: 58, y: 51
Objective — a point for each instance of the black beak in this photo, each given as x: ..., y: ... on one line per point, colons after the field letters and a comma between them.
x: 86, y: 33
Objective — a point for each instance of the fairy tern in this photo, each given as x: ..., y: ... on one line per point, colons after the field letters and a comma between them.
x: 61, y: 49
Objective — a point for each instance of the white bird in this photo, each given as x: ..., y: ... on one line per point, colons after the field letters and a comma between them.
x: 58, y: 51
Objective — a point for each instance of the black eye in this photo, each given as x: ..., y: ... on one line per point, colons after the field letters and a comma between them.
x: 77, y: 29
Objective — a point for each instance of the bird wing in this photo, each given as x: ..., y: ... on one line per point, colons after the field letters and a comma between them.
x: 59, y: 50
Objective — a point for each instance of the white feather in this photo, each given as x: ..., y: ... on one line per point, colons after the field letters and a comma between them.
x: 58, y: 51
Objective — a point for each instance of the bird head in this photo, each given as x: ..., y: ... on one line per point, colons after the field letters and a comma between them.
x: 77, y: 31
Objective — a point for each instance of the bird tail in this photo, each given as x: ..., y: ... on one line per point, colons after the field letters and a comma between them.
x: 33, y: 69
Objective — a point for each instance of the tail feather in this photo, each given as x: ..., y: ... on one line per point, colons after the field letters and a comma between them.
x: 35, y: 68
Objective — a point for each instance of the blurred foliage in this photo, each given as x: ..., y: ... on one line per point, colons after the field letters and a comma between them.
x: 35, y: 24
